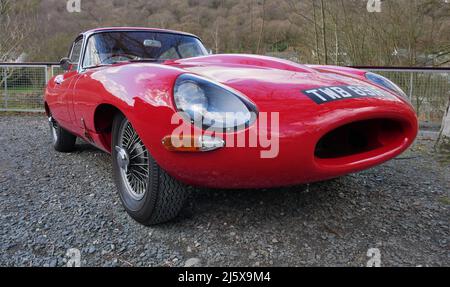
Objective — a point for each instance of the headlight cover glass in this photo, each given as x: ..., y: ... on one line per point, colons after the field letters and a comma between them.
x: 382, y: 81
x: 211, y: 105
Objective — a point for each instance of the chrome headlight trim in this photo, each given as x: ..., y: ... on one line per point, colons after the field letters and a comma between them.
x: 386, y: 83
x: 211, y: 105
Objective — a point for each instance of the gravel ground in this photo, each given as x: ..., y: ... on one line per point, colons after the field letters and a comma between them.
x: 52, y: 202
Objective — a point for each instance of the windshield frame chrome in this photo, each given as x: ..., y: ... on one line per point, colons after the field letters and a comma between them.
x: 88, y: 35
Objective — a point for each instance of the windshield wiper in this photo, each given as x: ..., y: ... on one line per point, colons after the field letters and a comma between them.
x: 150, y: 60
x: 97, y: 66
x: 145, y: 60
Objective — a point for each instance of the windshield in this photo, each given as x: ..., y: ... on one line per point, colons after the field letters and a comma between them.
x: 112, y: 47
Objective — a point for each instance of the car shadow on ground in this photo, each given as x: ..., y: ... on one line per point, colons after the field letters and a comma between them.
x: 243, y: 206
x: 263, y: 206
x: 82, y: 146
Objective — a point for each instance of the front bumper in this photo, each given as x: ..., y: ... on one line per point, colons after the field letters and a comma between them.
x: 300, y: 132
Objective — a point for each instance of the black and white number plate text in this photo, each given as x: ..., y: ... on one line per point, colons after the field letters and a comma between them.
x: 330, y: 94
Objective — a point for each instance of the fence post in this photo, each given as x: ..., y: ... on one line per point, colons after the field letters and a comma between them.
x: 411, y: 82
x: 5, y: 78
x: 48, y: 74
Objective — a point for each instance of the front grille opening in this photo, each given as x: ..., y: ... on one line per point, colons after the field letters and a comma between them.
x: 360, y: 137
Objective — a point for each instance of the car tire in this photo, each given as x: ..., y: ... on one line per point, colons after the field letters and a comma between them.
x: 63, y: 141
x: 148, y: 193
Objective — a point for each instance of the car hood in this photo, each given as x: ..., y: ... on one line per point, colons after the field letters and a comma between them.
x: 264, y: 78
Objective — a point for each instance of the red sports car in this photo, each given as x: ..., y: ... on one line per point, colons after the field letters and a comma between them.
x: 172, y: 115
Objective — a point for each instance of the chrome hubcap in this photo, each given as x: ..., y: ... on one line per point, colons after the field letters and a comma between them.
x: 133, y: 160
x: 123, y: 159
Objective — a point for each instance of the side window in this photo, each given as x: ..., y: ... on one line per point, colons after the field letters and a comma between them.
x: 76, y: 52
x: 92, y: 57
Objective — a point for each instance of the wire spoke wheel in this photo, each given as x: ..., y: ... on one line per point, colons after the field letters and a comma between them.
x: 133, y: 162
x: 149, y: 194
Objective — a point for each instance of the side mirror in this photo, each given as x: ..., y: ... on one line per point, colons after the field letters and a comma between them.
x: 210, y: 52
x: 66, y: 64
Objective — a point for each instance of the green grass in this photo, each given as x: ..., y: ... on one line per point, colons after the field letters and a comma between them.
x: 22, y: 98
x: 22, y: 106
x: 23, y: 90
x: 445, y: 200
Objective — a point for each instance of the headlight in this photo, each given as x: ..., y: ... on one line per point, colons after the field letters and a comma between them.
x: 212, y: 105
x: 382, y: 81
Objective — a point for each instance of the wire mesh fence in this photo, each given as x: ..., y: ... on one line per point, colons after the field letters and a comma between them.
x: 428, y: 90
x: 22, y: 88
x: 56, y: 70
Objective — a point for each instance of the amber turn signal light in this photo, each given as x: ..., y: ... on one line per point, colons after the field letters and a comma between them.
x: 192, y: 144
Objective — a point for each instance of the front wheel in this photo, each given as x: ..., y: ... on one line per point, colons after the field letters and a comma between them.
x: 147, y: 192
x: 63, y: 141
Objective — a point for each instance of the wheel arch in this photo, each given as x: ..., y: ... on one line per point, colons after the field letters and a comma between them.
x: 103, y: 120
x: 47, y: 109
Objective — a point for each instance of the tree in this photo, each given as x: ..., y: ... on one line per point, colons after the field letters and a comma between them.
x: 16, y: 24
x: 324, y: 30
x: 444, y: 135
x: 319, y: 31
x: 263, y: 22
x: 15, y: 27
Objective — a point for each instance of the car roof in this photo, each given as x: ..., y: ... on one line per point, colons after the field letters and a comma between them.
x: 119, y: 29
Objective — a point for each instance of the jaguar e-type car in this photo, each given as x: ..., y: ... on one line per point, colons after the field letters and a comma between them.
x: 130, y: 91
